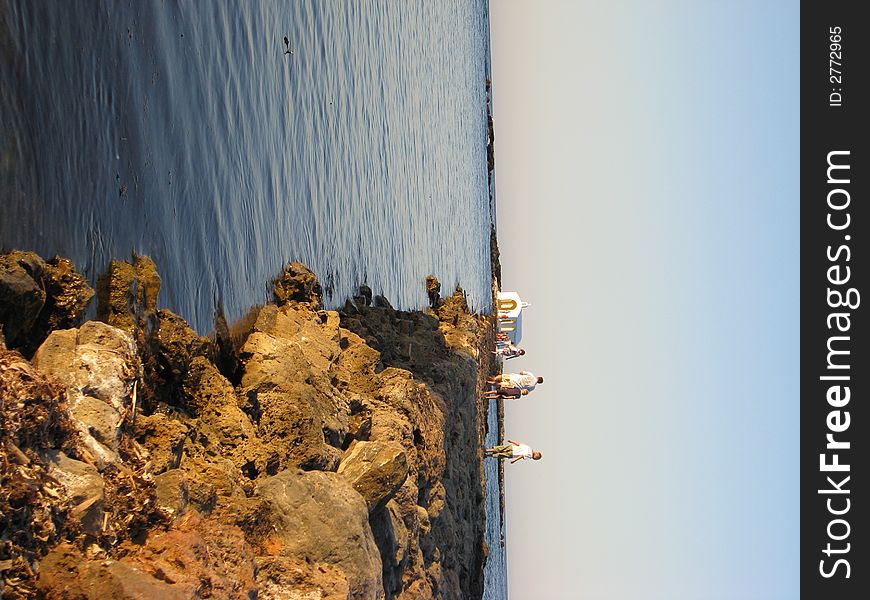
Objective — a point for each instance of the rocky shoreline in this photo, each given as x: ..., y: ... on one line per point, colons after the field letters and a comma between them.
x: 299, y: 453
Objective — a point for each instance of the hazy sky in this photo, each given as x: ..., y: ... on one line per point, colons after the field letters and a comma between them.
x: 647, y: 186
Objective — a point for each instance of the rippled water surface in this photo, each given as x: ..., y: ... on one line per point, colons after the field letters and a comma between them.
x: 183, y: 131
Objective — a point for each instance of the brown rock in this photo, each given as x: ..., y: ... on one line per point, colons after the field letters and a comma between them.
x: 147, y: 283
x: 163, y: 436
x: 67, y: 297
x: 116, y: 296
x: 84, y: 488
x: 205, y: 389
x: 297, y: 284
x: 65, y: 574
x: 206, y: 553
x: 171, y: 492
x: 176, y: 344
x: 197, y: 558
x: 287, y: 385
x: 213, y: 482
x: 289, y: 578
x: 375, y: 469
x: 127, y: 293
x: 97, y: 364
x: 433, y: 290
x: 222, y: 428
x: 320, y: 518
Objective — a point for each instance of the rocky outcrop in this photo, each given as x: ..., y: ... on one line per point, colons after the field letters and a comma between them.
x: 287, y: 386
x: 417, y: 386
x: 65, y: 573
x: 495, y: 258
x: 334, y: 456
x: 171, y: 492
x: 163, y: 436
x: 291, y: 578
x: 67, y: 296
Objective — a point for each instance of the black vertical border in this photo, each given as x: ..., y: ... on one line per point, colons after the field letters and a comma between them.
x: 826, y: 128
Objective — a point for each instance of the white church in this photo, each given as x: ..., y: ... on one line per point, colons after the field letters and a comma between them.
x: 510, y: 315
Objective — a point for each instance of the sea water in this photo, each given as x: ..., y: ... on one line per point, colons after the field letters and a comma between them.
x: 184, y: 131
x: 191, y: 133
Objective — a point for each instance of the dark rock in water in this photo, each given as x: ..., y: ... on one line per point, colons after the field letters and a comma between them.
x: 365, y: 293
x: 318, y: 517
x: 382, y: 302
x: 21, y: 294
x: 37, y: 297
x: 494, y: 256
x: 433, y: 290
x: 127, y: 293
x: 375, y: 469
x: 297, y: 284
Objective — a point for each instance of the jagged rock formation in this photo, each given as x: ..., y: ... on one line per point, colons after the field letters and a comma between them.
x: 337, y: 457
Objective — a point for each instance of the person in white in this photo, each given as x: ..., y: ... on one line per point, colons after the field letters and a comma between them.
x: 510, y: 351
x: 523, y: 380
x: 513, y: 450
